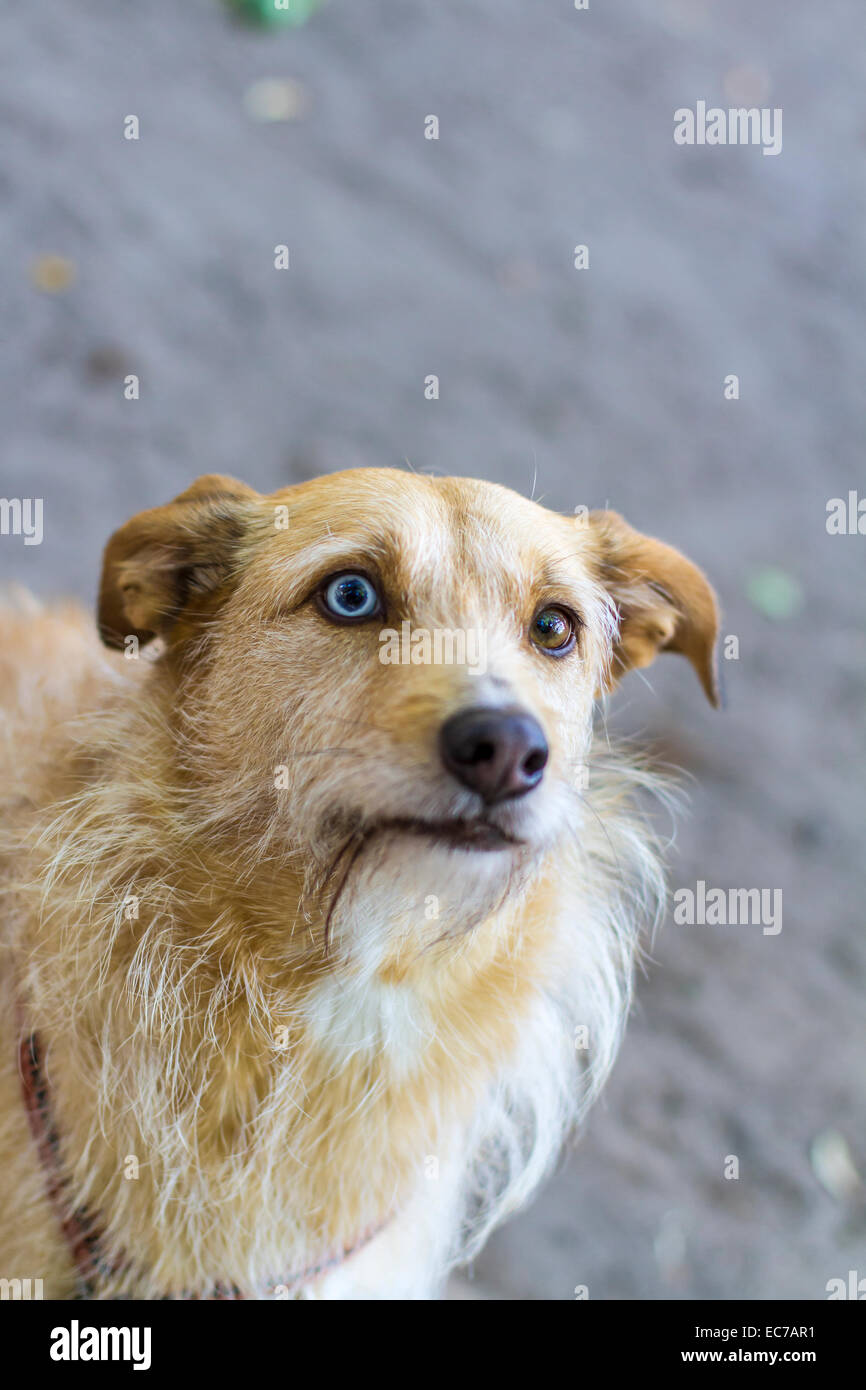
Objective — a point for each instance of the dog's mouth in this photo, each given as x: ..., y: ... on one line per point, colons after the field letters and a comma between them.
x: 456, y: 832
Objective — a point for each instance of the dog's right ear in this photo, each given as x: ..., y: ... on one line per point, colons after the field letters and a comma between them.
x: 664, y: 602
x: 169, y: 567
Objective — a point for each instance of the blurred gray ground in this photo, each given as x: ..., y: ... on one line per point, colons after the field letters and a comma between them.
x: 412, y: 257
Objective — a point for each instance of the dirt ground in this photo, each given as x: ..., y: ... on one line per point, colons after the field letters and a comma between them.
x: 454, y: 257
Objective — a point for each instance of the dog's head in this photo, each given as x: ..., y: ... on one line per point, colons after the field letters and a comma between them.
x: 377, y: 661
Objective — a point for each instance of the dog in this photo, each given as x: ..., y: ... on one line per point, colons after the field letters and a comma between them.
x: 312, y: 960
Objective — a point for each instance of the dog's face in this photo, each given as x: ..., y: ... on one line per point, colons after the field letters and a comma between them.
x: 380, y: 671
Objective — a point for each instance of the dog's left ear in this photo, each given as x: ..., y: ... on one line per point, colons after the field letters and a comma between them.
x: 167, y: 567
x: 665, y: 603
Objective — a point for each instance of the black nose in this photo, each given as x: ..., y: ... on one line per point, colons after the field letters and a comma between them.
x: 499, y: 753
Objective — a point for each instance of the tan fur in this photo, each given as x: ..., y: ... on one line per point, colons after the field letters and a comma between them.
x: 217, y: 1038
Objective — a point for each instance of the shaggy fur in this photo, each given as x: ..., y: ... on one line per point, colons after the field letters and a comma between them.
x: 277, y: 1014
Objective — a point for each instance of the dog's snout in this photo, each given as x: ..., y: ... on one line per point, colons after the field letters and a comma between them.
x: 499, y: 753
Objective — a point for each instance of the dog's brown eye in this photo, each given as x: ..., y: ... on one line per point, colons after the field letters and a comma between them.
x: 553, y: 631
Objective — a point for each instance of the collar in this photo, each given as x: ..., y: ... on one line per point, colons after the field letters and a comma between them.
x: 81, y: 1229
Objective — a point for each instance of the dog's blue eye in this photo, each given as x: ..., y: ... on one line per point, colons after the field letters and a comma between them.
x: 350, y: 596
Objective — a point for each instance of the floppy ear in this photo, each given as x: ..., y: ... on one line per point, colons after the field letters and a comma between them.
x: 168, y: 566
x: 665, y: 603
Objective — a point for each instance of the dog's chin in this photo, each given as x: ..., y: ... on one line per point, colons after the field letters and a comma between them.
x: 387, y: 867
